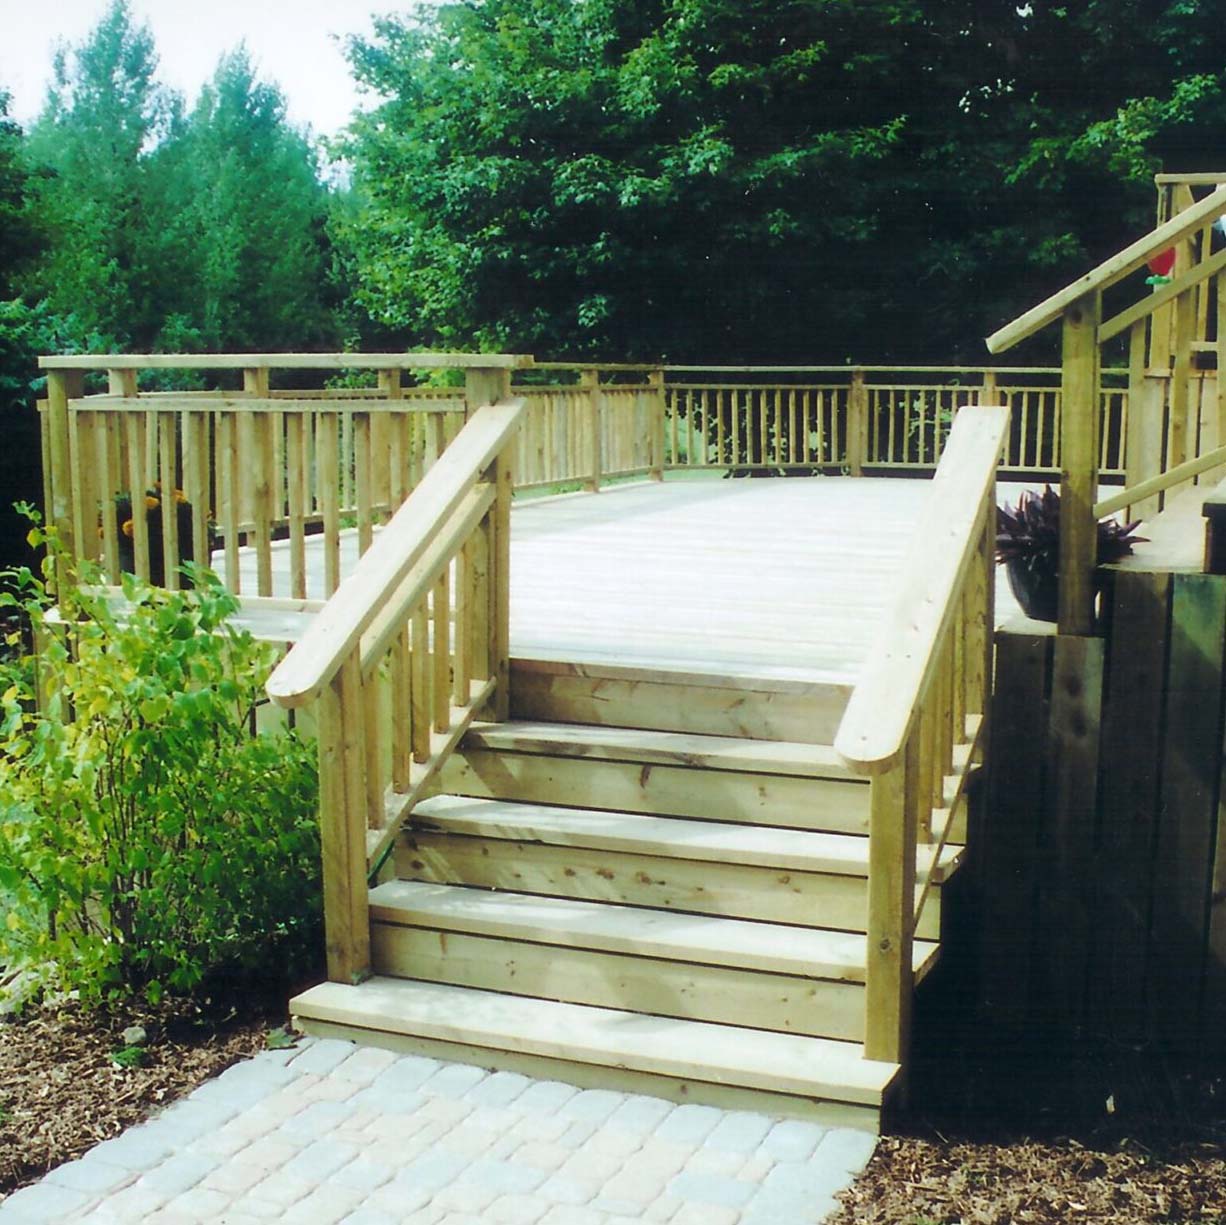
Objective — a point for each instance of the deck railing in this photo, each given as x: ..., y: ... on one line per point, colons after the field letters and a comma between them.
x: 410, y: 648
x: 1172, y: 419
x: 915, y: 720
x: 260, y: 476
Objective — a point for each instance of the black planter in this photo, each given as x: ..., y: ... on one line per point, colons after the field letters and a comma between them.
x: 1037, y: 590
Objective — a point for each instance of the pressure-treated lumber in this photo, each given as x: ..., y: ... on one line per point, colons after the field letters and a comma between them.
x: 286, y: 361
x: 884, y: 704
x: 1109, y: 329
x: 1079, y: 465
x: 780, y: 1063
x: 301, y: 677
x: 662, y: 934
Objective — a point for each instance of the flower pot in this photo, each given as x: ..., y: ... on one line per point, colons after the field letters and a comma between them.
x: 1036, y: 589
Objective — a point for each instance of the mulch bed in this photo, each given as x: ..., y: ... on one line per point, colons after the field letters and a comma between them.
x: 61, y: 1092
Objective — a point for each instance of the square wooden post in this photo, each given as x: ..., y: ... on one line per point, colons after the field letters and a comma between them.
x: 857, y: 423
x: 659, y: 410
x: 589, y: 381
x: 62, y: 386
x: 1079, y: 464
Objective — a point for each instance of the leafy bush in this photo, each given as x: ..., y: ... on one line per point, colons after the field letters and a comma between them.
x: 149, y: 840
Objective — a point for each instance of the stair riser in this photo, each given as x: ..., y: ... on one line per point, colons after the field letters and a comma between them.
x: 807, y: 718
x: 831, y: 805
x: 779, y: 1002
x: 808, y: 899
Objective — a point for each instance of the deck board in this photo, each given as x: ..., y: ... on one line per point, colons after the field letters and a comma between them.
x: 775, y: 580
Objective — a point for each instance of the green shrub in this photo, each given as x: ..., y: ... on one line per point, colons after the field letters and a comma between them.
x: 149, y: 840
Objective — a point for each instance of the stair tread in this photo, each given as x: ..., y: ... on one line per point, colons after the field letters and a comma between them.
x: 642, y: 931
x: 673, y: 837
x: 692, y: 1050
x: 663, y: 748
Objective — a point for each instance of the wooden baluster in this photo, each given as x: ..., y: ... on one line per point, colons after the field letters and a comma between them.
x: 196, y: 483
x: 227, y: 477
x: 480, y: 602
x: 401, y: 681
x: 372, y: 746
x: 170, y: 506
x: 106, y: 443
x: 328, y: 485
x: 419, y: 682
x: 363, y: 478
x: 345, y: 462
x: 256, y: 430
x: 134, y: 429
x: 342, y: 826
x: 498, y: 617
x: 440, y: 684
x: 891, y: 903
x: 296, y: 489
x: 462, y: 669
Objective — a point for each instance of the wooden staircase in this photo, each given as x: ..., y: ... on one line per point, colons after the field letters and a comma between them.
x: 650, y: 881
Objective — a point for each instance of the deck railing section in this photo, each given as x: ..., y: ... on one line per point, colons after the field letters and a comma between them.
x: 915, y: 720
x: 1171, y: 420
x: 412, y: 646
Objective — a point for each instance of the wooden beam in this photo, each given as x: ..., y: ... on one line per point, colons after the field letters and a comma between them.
x: 1160, y: 297
x: 286, y: 361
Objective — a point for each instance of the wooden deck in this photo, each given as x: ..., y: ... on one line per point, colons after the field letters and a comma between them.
x: 769, y: 579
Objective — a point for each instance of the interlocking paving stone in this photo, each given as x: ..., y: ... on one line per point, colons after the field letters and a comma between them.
x: 327, y: 1133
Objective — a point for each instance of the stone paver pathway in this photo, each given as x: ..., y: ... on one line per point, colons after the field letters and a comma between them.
x: 330, y: 1132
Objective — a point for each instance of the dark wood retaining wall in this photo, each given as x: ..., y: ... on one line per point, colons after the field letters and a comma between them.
x: 1104, y: 849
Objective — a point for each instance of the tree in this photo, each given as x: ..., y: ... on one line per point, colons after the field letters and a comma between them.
x: 807, y: 180
x: 103, y: 112
x: 241, y: 218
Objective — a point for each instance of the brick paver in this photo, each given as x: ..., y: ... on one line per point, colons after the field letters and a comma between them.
x: 328, y: 1133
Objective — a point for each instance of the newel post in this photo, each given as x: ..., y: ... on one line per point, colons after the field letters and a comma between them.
x: 1079, y: 464
x: 889, y: 982
x: 342, y: 825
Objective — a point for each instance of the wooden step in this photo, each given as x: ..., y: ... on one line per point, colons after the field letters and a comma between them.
x: 695, y: 1060
x: 654, y: 747
x: 772, y: 875
x: 803, y: 786
x: 764, y: 976
x: 607, y: 694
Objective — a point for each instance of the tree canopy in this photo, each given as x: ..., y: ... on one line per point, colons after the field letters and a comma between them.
x: 805, y: 179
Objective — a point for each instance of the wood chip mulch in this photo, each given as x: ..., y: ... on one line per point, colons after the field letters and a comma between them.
x: 61, y: 1092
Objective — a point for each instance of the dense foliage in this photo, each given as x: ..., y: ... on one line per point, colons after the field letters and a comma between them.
x: 148, y: 839
x: 799, y: 180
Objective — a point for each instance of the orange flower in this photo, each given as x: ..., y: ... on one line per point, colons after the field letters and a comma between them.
x: 151, y: 503
x: 126, y: 528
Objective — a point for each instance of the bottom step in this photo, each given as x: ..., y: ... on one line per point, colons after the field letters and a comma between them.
x: 722, y: 1065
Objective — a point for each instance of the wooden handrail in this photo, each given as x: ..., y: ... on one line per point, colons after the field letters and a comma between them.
x: 882, y: 710
x: 1110, y: 270
x: 317, y: 657
x: 1158, y: 484
x: 286, y: 361
x: 1111, y: 328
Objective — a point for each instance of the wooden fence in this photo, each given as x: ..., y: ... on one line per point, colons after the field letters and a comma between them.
x: 1104, y: 849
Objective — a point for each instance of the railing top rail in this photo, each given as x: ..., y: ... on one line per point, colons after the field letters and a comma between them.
x: 882, y: 709
x: 286, y: 361
x: 337, y: 630
x: 1110, y: 270
x: 1201, y: 179
x: 715, y: 368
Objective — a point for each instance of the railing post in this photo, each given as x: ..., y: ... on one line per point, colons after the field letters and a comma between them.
x: 1079, y: 464
x: 987, y: 393
x: 889, y: 982
x: 658, y: 408
x: 857, y: 423
x: 485, y: 385
x: 342, y: 826
x: 589, y: 381
x: 62, y: 386
x: 498, y: 617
